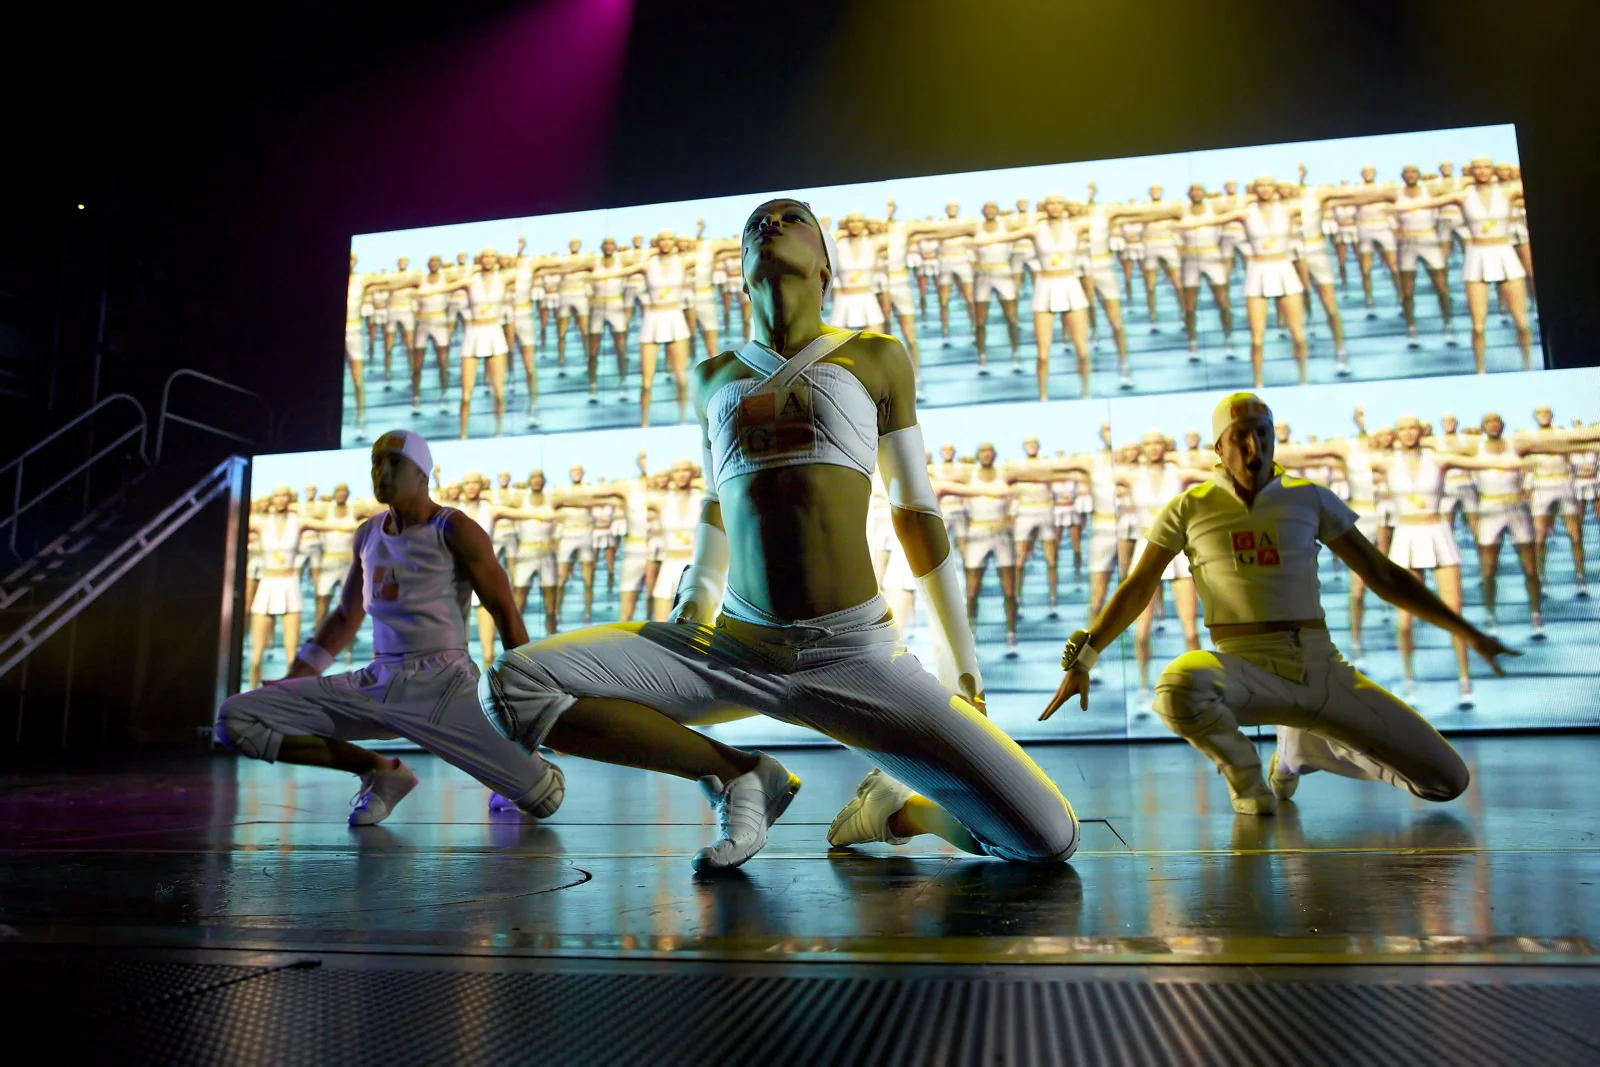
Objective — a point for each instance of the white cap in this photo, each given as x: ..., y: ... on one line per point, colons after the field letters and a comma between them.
x: 409, y: 444
x: 1236, y: 407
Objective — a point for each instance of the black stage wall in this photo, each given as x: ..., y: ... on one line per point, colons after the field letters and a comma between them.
x: 224, y: 169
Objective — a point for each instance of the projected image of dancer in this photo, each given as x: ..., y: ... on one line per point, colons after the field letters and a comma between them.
x: 1252, y: 536
x: 1487, y: 205
x: 791, y: 440
x: 665, y: 275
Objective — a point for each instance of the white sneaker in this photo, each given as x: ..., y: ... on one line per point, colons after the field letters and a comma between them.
x: 1229, y: 352
x: 542, y: 801
x: 1011, y: 646
x: 1341, y: 367
x: 1126, y: 382
x: 1465, y: 701
x: 746, y: 807
x: 1283, y: 782
x: 1408, y: 690
x: 1583, y: 589
x: 1449, y: 338
x: 1491, y: 625
x: 1536, y: 629
x: 866, y: 818
x: 380, y: 792
x: 1411, y: 338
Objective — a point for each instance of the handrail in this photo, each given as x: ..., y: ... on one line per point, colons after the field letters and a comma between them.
x: 164, y: 416
x: 18, y: 507
x: 144, y: 421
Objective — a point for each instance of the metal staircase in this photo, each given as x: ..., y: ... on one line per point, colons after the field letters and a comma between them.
x: 140, y: 503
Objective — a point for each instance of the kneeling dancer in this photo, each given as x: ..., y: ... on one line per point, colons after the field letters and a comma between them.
x: 1251, y: 534
x: 792, y: 426
x: 415, y: 569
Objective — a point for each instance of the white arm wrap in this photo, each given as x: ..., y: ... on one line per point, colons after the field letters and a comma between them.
x: 955, y: 653
x: 705, y: 579
x: 314, y: 656
x: 903, y: 462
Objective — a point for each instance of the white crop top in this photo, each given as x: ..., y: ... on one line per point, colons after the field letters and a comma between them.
x: 801, y: 411
x: 412, y: 587
x: 1255, y: 564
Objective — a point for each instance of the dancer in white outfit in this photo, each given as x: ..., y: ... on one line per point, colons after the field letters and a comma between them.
x: 666, y: 276
x: 1555, y: 493
x: 416, y: 565
x: 1270, y: 275
x: 1252, y: 536
x: 486, y: 290
x: 1422, y: 541
x: 1057, y: 288
x: 1200, y: 250
x: 1419, y: 243
x: 1491, y: 260
x: 803, y: 635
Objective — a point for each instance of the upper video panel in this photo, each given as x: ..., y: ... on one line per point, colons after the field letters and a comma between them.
x: 1357, y: 259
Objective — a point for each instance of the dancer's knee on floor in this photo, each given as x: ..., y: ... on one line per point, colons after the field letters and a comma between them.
x: 1447, y: 784
x: 1189, y: 694
x: 1052, y: 839
x: 239, y: 726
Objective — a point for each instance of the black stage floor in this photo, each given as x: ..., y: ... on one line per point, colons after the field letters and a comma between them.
x: 205, y: 909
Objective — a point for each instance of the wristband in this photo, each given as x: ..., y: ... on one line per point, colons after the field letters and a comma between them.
x: 314, y: 656
x: 1079, y: 653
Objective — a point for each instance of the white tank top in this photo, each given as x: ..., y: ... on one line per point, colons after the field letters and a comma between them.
x: 488, y: 296
x: 1200, y: 241
x: 1358, y: 475
x: 955, y: 249
x: 1419, y: 493
x: 1058, y: 248
x: 680, y: 518
x: 1503, y: 484
x: 800, y: 412
x: 1418, y: 224
x: 536, y: 535
x: 987, y: 509
x: 636, y: 508
x: 280, y: 542
x: 858, y: 259
x: 337, y: 544
x: 1551, y: 468
x: 1487, y: 220
x: 1267, y: 229
x: 1103, y: 483
x: 663, y: 278
x: 896, y: 248
x: 1159, y: 232
x: 431, y: 308
x: 1310, y: 216
x: 413, y: 587
x: 1152, y: 489
x: 1375, y: 215
x: 995, y: 257
x: 609, y: 290
x: 354, y: 293
x: 1032, y: 494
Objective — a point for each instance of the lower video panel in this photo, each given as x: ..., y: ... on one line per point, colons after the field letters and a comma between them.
x: 1041, y: 555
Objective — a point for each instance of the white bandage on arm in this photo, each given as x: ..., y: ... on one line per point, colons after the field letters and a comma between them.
x: 314, y: 656
x: 903, y: 463
x: 704, y: 580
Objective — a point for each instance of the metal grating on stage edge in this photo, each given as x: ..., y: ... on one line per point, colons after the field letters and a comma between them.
x: 180, y: 1013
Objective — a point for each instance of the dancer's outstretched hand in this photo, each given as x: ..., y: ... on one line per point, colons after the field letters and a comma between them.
x: 1074, y: 681
x: 1488, y: 646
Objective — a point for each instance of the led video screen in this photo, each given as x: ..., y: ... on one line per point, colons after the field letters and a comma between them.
x: 1064, y: 543
x: 1368, y: 279
x: 591, y: 319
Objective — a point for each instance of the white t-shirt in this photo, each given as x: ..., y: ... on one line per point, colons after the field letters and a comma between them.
x: 1255, y: 564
